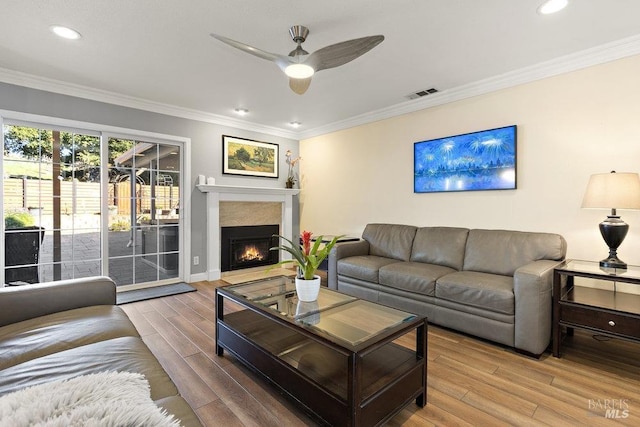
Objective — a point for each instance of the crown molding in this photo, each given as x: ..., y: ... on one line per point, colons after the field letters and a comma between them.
x: 56, y: 86
x: 586, y: 58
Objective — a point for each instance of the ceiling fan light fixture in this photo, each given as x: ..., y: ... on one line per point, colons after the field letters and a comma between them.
x: 299, y: 71
x: 299, y: 66
x: 552, y: 6
x: 241, y: 111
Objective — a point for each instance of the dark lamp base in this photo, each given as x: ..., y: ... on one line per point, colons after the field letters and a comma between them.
x: 613, y: 231
x: 613, y: 262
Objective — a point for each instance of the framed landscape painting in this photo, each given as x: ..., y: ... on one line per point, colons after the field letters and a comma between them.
x: 484, y: 160
x: 250, y: 158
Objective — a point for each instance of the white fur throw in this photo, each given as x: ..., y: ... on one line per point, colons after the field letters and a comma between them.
x: 103, y: 399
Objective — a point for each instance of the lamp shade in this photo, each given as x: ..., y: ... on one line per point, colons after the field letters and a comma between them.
x: 613, y: 191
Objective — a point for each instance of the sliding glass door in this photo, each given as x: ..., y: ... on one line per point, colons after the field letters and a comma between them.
x: 51, y: 204
x: 79, y: 203
x: 144, y: 205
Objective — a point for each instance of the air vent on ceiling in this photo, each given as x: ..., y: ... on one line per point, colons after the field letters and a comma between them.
x: 422, y: 93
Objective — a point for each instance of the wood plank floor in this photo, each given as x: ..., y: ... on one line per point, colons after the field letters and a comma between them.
x: 470, y: 382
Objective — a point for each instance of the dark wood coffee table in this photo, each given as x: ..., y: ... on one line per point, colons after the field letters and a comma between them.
x: 339, y: 357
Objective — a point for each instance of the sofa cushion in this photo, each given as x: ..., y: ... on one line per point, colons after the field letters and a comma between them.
x: 390, y: 240
x: 503, y: 252
x: 413, y: 276
x: 487, y: 291
x: 363, y: 267
x: 440, y: 245
x: 61, y: 331
x: 128, y: 354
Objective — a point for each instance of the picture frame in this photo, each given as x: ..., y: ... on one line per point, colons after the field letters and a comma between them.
x: 477, y: 161
x: 241, y: 156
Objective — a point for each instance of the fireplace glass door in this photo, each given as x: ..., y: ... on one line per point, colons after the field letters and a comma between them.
x: 248, y: 246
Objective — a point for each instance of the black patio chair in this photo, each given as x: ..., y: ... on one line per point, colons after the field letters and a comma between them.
x: 22, y: 247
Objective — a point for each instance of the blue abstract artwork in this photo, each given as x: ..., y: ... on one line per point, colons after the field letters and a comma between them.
x: 484, y: 160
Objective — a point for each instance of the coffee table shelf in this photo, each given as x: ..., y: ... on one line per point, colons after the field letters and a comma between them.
x: 344, y: 372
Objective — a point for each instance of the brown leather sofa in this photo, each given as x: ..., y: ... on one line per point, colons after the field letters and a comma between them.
x: 60, y: 330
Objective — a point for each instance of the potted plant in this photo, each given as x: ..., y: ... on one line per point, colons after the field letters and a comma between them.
x: 18, y: 219
x: 307, y: 259
x: 291, y: 181
x: 22, y: 241
x: 291, y: 178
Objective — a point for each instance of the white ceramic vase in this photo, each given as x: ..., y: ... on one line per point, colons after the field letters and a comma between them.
x: 308, y: 290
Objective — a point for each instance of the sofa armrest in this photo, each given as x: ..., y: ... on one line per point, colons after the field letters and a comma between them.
x: 18, y: 303
x: 343, y: 250
x: 532, y: 285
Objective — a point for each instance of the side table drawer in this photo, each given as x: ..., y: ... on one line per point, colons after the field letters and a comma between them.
x: 590, y: 317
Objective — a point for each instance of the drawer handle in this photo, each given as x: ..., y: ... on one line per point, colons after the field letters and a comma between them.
x: 612, y: 323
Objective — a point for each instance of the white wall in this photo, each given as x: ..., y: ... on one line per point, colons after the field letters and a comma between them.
x: 569, y: 127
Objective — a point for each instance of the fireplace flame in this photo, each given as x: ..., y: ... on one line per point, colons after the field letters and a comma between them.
x: 251, y: 253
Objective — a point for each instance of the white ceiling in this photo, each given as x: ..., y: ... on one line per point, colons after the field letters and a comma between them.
x: 157, y: 54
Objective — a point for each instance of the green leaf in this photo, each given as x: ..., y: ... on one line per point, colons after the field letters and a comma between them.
x: 307, y: 264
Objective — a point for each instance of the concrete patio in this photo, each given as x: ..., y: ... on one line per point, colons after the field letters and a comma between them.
x: 81, y: 257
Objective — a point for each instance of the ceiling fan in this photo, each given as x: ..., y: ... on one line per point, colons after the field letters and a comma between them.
x: 299, y: 65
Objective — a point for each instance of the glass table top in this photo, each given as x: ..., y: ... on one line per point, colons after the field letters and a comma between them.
x: 356, y: 321
x: 593, y: 267
x: 264, y: 288
x: 335, y: 314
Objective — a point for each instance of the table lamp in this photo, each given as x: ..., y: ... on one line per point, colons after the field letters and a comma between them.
x: 613, y: 191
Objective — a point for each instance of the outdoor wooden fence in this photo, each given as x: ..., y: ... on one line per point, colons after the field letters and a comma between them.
x: 84, y: 197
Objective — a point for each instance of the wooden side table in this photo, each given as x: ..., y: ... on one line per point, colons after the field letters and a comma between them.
x: 602, y: 311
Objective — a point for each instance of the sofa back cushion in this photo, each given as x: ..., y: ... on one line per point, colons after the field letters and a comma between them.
x: 390, y: 240
x: 503, y: 252
x: 440, y: 245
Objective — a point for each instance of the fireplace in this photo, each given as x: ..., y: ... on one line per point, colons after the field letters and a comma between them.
x: 218, y: 195
x: 248, y: 246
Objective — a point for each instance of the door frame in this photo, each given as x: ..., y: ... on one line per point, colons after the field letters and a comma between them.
x: 106, y: 131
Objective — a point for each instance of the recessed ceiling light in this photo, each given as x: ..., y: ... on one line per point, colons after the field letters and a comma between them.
x: 65, y: 32
x: 295, y: 124
x: 552, y: 6
x: 242, y: 111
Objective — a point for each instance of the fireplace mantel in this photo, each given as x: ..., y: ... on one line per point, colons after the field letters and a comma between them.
x: 219, y: 193
x: 237, y: 189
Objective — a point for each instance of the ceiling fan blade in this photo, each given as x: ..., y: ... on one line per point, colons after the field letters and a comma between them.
x: 299, y: 86
x: 340, y: 53
x: 281, y: 60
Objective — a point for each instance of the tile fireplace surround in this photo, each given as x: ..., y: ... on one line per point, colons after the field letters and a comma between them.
x: 229, y: 193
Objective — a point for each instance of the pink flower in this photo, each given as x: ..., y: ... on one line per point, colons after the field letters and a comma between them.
x: 306, y: 242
